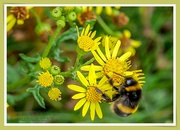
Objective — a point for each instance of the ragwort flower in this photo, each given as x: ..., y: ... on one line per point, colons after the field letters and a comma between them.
x: 85, y: 15
x: 129, y: 44
x: 17, y: 15
x: 54, y: 94
x: 88, y: 97
x: 45, y: 79
x: 45, y: 63
x: 86, y: 40
x: 109, y: 63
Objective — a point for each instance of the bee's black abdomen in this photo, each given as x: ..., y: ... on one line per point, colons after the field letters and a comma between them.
x: 123, y: 109
x: 119, y: 112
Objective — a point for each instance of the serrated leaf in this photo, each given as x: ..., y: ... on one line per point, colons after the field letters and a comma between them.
x: 37, y: 96
x: 30, y: 59
x: 91, y: 23
x: 56, y: 54
x: 70, y: 34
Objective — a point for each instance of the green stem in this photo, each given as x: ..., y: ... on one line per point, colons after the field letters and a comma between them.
x: 19, y: 83
x: 106, y: 27
x: 51, y: 41
x: 38, y: 20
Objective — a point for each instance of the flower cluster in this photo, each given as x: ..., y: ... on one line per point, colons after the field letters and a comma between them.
x: 108, y: 68
x: 108, y: 65
x: 65, y: 14
x: 50, y: 78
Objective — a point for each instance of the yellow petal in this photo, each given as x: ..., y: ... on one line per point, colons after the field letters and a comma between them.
x: 135, y: 43
x: 92, y: 75
x: 92, y: 111
x: 132, y: 50
x: 97, y: 39
x: 87, y: 30
x: 128, y: 73
x: 106, y: 87
x: 98, y: 110
x: 99, y: 9
x: 115, y: 50
x: 93, y: 34
x: 79, y: 104
x: 103, y: 80
x: 77, y: 30
x: 82, y: 79
x: 101, y: 54
x: 98, y: 59
x: 82, y: 33
x: 29, y: 7
x: 11, y: 24
x: 20, y: 22
x: 76, y: 88
x: 89, y: 33
x: 127, y: 33
x: 125, y: 56
x: 108, y: 55
x: 99, y: 74
x: 87, y: 67
x: 108, y: 10
x: 85, y: 108
x: 10, y: 17
x: 84, y: 8
x: 78, y: 96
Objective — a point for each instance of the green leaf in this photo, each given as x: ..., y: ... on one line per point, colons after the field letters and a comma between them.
x: 37, y: 96
x: 30, y: 59
x: 12, y: 99
x: 12, y: 74
x: 91, y: 23
x: 70, y: 34
x: 56, y: 54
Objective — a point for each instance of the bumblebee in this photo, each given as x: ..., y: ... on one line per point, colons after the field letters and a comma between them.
x: 126, y: 101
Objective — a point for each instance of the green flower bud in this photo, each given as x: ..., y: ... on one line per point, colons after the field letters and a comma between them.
x: 56, y: 12
x: 62, y: 18
x: 55, y: 70
x: 68, y: 9
x: 72, y: 16
x: 58, y: 79
x: 61, y: 23
x: 42, y: 28
x: 78, y: 9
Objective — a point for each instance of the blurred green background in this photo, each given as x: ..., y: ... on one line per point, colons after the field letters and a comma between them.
x: 153, y: 26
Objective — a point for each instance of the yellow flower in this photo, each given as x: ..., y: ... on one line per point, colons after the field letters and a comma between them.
x: 108, y: 9
x: 88, y: 97
x: 54, y: 94
x: 17, y: 15
x: 45, y: 63
x: 129, y: 44
x: 86, y: 40
x: 45, y: 79
x: 111, y: 64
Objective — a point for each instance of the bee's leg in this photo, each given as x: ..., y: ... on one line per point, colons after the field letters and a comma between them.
x: 106, y: 98
x: 115, y: 97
